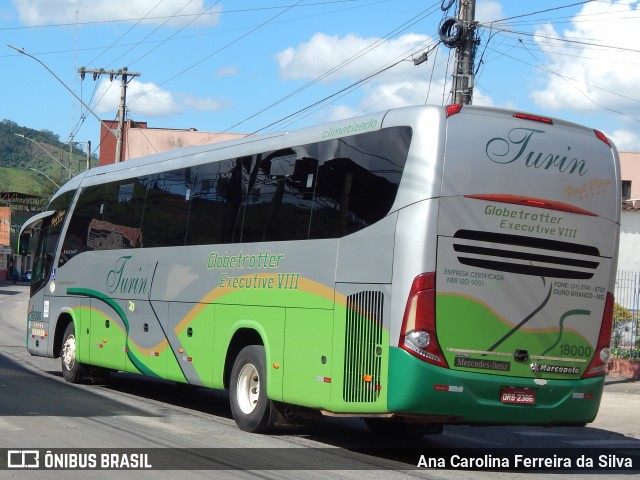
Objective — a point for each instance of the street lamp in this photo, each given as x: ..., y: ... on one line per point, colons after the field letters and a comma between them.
x: 88, y: 144
x: 48, y: 177
x: 22, y: 51
x: 45, y: 151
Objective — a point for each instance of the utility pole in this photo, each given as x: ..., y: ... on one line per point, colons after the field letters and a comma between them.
x: 125, y: 75
x: 88, y: 160
x: 459, y: 33
x: 463, y: 77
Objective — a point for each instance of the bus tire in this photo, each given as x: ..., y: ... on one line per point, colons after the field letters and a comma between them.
x: 72, y: 370
x: 250, y: 406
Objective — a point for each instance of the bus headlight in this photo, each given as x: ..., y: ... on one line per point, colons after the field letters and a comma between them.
x: 605, y: 353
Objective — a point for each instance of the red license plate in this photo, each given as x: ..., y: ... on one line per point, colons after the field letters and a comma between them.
x: 520, y: 396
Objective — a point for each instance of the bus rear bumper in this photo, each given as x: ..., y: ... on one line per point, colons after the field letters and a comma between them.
x: 417, y: 388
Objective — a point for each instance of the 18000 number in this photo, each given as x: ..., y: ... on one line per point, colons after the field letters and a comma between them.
x: 576, y: 350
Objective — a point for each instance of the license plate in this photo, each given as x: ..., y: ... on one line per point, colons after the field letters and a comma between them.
x: 520, y: 396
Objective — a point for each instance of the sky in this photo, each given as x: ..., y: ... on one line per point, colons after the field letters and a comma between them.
x: 258, y: 66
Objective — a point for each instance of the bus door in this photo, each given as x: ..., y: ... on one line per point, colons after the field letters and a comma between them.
x: 35, y: 235
x: 108, y: 334
x: 146, y: 345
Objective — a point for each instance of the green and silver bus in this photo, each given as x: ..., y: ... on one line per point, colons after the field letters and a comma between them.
x: 416, y: 267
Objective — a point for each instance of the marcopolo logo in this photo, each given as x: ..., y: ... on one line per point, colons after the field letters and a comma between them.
x: 515, y: 148
x: 560, y: 369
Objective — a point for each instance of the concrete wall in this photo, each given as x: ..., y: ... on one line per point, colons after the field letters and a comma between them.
x: 629, y: 256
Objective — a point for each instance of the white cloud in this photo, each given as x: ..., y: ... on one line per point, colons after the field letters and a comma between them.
x: 339, y: 112
x: 143, y: 99
x: 203, y: 104
x: 323, y: 53
x: 479, y: 98
x: 402, y: 85
x: 147, y: 100
x: 378, y: 97
x: 227, y: 71
x: 385, y: 95
x: 586, y: 75
x: 44, y: 12
x: 625, y: 140
x: 396, y: 94
x: 488, y: 11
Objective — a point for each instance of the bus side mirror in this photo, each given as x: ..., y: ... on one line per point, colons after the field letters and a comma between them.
x: 23, y: 246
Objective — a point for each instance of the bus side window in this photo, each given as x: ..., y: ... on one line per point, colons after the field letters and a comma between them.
x: 358, y: 179
x: 80, y: 235
x: 168, y: 196
x: 24, y: 243
x: 277, y: 207
x: 216, y: 197
x: 47, y: 240
x: 122, y: 215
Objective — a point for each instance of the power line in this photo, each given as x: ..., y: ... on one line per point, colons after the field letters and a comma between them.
x: 367, y: 79
x: 569, y: 80
x: 412, y: 21
x: 168, y: 38
x: 207, y: 34
x: 566, y: 40
x: 163, y: 17
x: 384, y: 39
x: 125, y: 33
x: 362, y: 80
x: 219, y: 50
x: 521, y: 43
x: 566, y: 79
x: 562, y: 7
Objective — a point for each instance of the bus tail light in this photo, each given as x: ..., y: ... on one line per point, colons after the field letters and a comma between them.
x: 534, y: 118
x: 602, y: 137
x: 418, y: 333
x: 453, y: 109
x: 598, y: 365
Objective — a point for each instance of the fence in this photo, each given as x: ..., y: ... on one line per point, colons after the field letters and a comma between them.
x: 624, y: 334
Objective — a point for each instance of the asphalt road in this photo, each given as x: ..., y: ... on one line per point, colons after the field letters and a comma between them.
x: 187, y: 428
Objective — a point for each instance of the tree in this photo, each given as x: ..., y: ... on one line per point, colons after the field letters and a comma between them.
x: 622, y: 319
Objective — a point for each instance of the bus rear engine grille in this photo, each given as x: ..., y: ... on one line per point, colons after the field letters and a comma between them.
x: 526, y: 255
x: 363, y: 347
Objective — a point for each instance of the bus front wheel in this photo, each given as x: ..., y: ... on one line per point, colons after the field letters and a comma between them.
x: 250, y: 406
x: 72, y: 370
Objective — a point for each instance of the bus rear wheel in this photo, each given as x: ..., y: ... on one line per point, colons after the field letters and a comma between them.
x: 250, y: 406
x: 72, y: 370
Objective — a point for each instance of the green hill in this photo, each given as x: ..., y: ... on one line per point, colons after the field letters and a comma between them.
x: 35, y: 161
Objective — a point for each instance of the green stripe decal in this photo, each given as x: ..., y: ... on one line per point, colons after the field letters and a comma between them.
x: 561, y: 323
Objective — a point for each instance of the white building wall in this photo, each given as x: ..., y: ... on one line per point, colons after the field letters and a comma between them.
x: 629, y: 256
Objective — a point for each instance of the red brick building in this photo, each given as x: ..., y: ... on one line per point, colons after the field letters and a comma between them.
x: 139, y: 140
